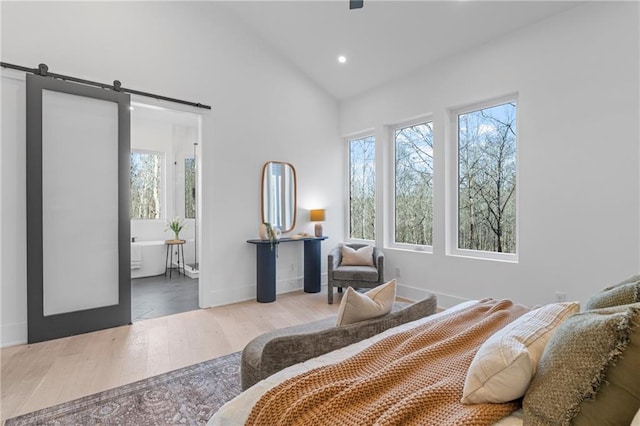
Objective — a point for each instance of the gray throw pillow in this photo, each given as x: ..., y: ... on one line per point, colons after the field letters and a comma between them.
x: 628, y: 291
x: 588, y: 373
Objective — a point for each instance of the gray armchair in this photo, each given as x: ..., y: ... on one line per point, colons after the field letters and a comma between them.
x: 354, y: 276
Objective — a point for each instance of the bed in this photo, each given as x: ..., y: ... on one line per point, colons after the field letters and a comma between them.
x: 300, y: 394
x: 237, y: 411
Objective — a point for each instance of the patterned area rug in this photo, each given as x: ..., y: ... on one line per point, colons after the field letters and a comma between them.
x: 188, y: 396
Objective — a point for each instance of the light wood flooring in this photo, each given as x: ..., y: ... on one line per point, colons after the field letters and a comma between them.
x: 49, y: 373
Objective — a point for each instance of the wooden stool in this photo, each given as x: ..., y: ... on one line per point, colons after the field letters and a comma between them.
x: 169, y: 263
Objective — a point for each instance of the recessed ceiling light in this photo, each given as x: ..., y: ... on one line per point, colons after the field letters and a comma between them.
x: 342, y: 59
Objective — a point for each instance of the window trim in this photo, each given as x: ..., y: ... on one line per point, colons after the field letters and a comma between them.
x: 347, y: 139
x: 391, y: 223
x: 452, y: 185
x: 162, y: 186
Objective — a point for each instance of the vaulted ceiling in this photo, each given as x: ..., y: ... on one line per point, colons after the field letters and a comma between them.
x: 385, y: 39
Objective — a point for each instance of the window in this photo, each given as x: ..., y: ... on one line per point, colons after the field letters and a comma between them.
x: 190, y: 188
x: 362, y: 188
x: 414, y: 184
x: 487, y: 170
x: 145, y: 182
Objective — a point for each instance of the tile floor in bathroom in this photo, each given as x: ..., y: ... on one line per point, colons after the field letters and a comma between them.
x: 158, y: 296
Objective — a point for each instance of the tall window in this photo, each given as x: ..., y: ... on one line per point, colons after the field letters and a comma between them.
x: 487, y: 179
x: 145, y: 182
x: 414, y: 184
x: 190, y: 188
x: 362, y: 192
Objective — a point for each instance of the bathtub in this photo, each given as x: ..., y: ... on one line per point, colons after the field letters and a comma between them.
x: 147, y: 258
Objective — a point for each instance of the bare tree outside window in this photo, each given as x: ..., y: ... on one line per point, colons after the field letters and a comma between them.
x: 414, y: 184
x: 362, y: 194
x: 145, y: 180
x: 190, y: 188
x: 487, y: 179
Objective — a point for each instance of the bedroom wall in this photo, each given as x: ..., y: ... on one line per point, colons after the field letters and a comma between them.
x: 577, y: 79
x: 263, y: 109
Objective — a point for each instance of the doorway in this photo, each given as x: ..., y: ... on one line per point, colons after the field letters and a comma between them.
x: 165, y: 187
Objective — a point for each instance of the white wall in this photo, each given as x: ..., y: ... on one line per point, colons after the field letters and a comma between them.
x: 160, y: 133
x: 148, y: 134
x: 172, y: 134
x: 13, y: 266
x: 577, y: 79
x: 263, y: 109
x: 576, y: 75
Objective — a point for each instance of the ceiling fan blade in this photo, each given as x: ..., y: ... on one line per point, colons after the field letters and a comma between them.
x: 356, y: 4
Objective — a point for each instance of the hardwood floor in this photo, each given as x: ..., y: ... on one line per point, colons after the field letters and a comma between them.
x: 49, y: 373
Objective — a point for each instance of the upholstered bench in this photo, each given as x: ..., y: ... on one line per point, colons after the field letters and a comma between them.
x: 278, y: 349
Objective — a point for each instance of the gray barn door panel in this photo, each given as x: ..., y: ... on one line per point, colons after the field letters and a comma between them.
x: 78, y: 261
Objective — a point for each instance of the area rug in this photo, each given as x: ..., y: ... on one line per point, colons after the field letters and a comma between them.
x: 188, y: 396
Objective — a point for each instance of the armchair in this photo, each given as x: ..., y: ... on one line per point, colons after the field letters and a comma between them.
x: 355, y: 276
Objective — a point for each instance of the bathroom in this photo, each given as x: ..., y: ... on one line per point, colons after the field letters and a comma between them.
x: 164, y: 186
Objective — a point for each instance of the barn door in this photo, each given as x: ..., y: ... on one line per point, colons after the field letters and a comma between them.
x: 78, y: 268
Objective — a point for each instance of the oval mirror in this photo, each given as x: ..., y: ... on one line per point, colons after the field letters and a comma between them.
x: 279, y: 195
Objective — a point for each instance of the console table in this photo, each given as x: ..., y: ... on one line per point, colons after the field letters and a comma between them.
x: 266, y: 266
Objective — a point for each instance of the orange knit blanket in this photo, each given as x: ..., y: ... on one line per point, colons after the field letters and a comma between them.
x: 413, y: 377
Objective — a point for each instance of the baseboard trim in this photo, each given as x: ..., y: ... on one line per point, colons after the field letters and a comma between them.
x: 248, y: 292
x: 413, y: 293
x: 13, y: 334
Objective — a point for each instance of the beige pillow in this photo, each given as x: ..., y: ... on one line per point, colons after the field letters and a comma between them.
x: 588, y: 373
x: 506, y: 362
x: 360, y: 257
x: 356, y: 307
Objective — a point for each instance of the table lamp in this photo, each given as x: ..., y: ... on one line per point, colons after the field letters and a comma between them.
x: 317, y: 215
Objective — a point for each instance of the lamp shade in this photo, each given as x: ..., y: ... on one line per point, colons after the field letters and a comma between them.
x: 317, y: 215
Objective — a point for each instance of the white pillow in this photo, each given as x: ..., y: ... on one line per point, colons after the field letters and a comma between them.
x: 356, y: 307
x: 506, y: 362
x: 360, y: 257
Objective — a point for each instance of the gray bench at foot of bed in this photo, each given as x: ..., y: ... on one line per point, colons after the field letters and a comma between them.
x: 278, y: 349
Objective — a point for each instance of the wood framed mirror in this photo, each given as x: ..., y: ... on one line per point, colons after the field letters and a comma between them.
x: 279, y: 195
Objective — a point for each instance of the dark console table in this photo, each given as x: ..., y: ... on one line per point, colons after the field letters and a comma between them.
x: 266, y: 266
